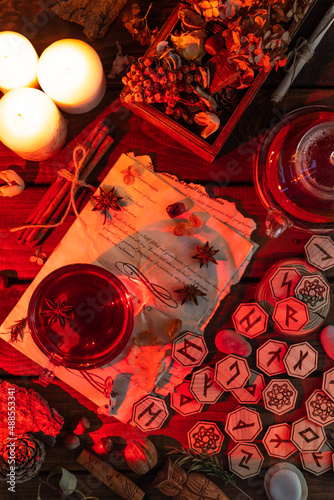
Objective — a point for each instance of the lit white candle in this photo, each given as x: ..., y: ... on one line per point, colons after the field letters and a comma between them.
x: 71, y: 73
x: 31, y: 124
x: 18, y: 62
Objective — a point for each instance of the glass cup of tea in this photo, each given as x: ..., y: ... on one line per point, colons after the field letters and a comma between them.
x: 81, y: 317
x: 294, y: 172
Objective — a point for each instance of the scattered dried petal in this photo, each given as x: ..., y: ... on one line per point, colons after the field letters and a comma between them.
x: 174, y: 328
x: 14, y: 184
x: 208, y: 120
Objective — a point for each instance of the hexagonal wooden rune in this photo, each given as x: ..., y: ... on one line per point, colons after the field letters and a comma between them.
x: 328, y: 383
x: 269, y: 357
x: 314, y: 291
x: 251, y: 393
x: 290, y: 315
x: 283, y: 282
x: 232, y: 372
x: 189, y: 349
x: 279, y: 396
x: 277, y: 441
x: 183, y: 401
x: 243, y: 424
x: 203, y: 386
x: 320, y: 408
x: 300, y: 360
x: 149, y: 413
x: 317, y: 462
x: 250, y: 319
x: 245, y: 460
x: 205, y: 437
x: 320, y: 252
x: 307, y: 436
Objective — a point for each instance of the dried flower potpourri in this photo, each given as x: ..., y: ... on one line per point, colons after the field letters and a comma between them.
x: 214, y: 45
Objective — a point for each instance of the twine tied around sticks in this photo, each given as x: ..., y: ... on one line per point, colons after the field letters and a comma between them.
x: 73, y: 178
x: 302, y: 50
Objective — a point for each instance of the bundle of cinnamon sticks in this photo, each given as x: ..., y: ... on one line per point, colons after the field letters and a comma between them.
x: 55, y: 202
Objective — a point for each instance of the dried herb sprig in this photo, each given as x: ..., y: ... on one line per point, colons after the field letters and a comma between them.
x: 203, y: 463
x: 17, y: 330
x: 138, y: 26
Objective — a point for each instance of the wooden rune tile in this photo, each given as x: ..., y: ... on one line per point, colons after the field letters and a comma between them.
x: 269, y: 357
x: 279, y: 396
x: 243, y: 424
x: 205, y: 437
x: 317, y: 462
x: 277, y: 441
x: 149, y: 413
x: 300, y: 360
x: 320, y: 252
x: 282, y: 283
x: 290, y: 315
x: 320, y: 408
x: 251, y: 393
x: 250, y: 319
x: 328, y: 383
x: 203, y: 386
x: 307, y: 436
x: 183, y: 401
x: 314, y: 291
x: 245, y: 460
x: 232, y: 372
x: 189, y: 349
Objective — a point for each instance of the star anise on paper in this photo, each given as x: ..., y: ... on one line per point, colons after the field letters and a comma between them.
x: 190, y: 292
x: 205, y: 255
x: 17, y: 330
x: 107, y: 201
x: 58, y: 311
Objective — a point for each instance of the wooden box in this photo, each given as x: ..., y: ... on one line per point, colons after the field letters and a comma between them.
x: 205, y: 148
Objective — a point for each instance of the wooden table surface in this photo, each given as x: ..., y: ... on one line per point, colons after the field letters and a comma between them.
x: 230, y: 176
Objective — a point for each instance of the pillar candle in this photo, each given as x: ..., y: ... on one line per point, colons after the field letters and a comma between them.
x: 18, y: 62
x: 71, y: 73
x: 31, y: 124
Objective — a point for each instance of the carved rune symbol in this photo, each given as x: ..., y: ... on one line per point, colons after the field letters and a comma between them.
x: 275, y: 355
x: 313, y: 435
x: 302, y: 356
x: 287, y: 283
x: 245, y: 459
x: 326, y: 254
x: 242, y: 425
x: 279, y: 441
x: 237, y: 372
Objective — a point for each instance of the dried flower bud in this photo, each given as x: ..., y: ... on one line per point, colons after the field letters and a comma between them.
x: 80, y: 425
x: 103, y: 446
x: 70, y: 441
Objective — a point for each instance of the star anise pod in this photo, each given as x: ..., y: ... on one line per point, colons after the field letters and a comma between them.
x: 106, y: 201
x: 205, y: 255
x: 190, y: 292
x: 58, y: 311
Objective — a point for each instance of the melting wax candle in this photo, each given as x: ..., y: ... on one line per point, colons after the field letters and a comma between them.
x: 71, y: 73
x: 31, y: 124
x: 18, y: 62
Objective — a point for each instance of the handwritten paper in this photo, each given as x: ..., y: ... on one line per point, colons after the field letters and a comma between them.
x: 138, y: 244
